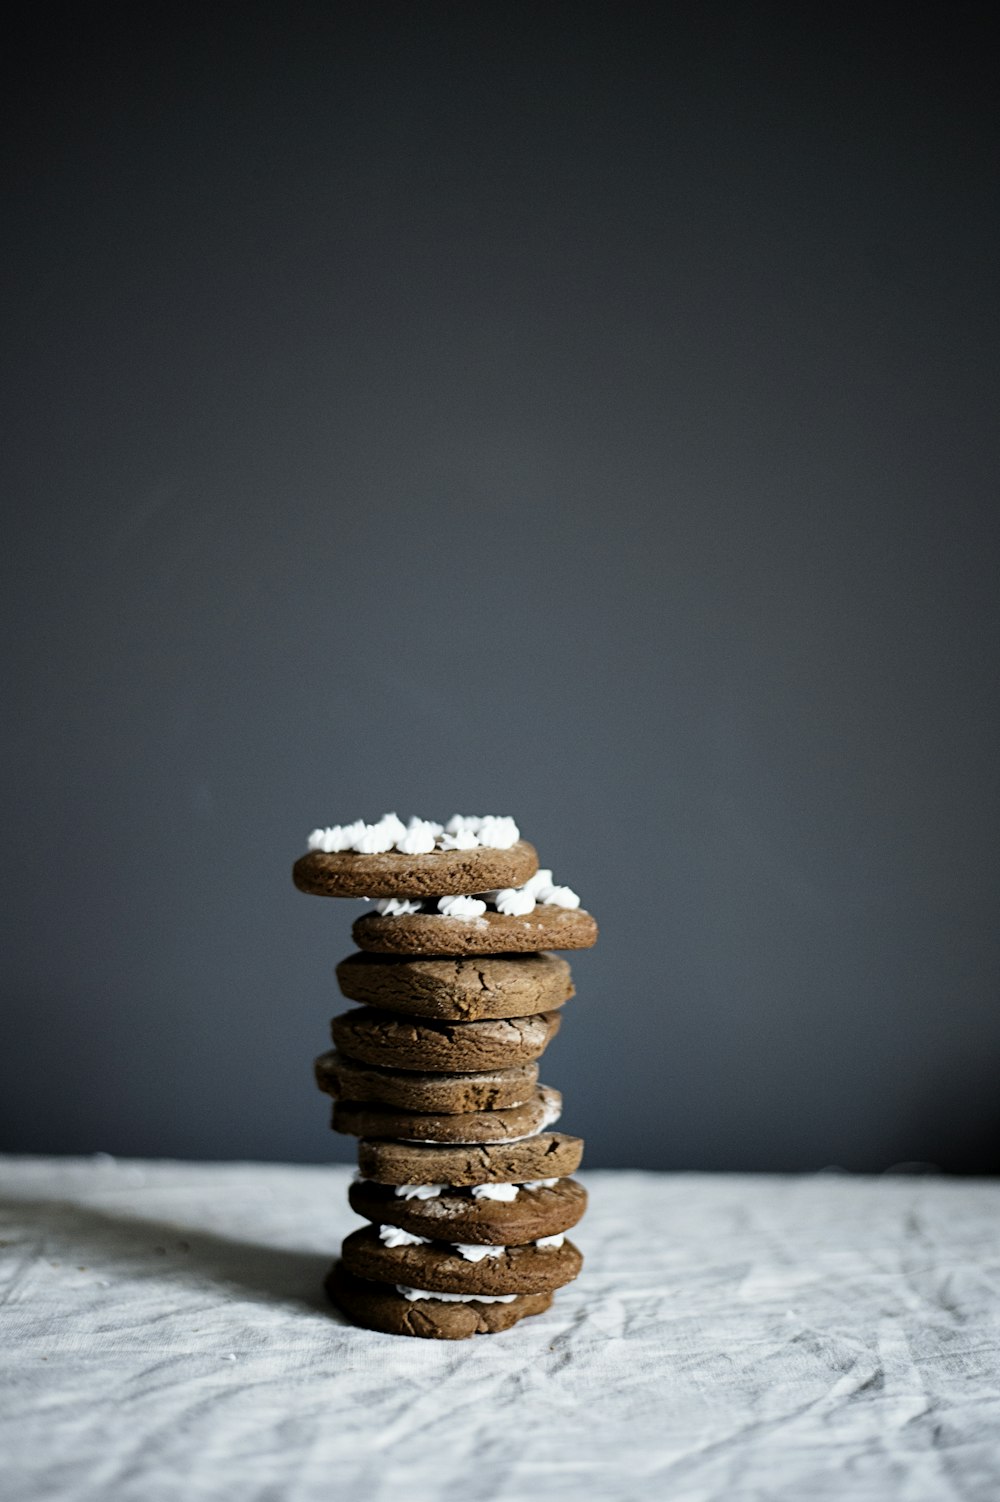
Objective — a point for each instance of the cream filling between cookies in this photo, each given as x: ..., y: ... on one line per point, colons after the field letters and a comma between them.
x: 472, y: 1252
x: 550, y: 1115
x: 518, y: 902
x: 503, y: 1193
x: 539, y: 891
x: 455, y: 1298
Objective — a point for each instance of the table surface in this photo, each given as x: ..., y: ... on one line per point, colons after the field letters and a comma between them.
x: 164, y: 1336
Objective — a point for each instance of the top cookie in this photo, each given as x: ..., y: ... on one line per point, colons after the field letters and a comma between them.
x: 394, y: 873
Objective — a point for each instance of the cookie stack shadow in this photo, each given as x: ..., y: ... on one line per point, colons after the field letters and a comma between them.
x: 464, y: 1183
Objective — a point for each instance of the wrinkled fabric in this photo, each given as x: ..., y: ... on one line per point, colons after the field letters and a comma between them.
x: 164, y: 1335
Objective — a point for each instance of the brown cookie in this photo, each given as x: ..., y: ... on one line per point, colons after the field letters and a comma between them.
x: 393, y: 874
x: 419, y: 1043
x: 492, y: 933
x: 409, y: 1090
x: 439, y: 1268
x: 549, y: 1155
x: 378, y: 1306
x: 467, y: 1126
x: 459, y: 1215
x: 458, y: 990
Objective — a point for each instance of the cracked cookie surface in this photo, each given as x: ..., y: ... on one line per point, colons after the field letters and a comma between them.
x: 549, y: 1155
x: 395, y: 1042
x: 366, y: 1120
x: 460, y: 989
x: 458, y: 1215
x: 441, y: 1269
x: 378, y: 1306
x: 414, y: 1090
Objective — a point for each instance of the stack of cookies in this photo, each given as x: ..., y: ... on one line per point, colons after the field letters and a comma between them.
x: 465, y: 1186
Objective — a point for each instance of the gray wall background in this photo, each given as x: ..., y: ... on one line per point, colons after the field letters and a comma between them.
x: 579, y: 411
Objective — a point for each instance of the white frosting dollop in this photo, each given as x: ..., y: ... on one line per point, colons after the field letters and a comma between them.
x: 375, y: 839
x: 498, y: 833
x: 503, y: 1193
x: 419, y: 1191
x: 537, y: 1184
x: 461, y: 907
x: 461, y: 839
x: 551, y: 1241
x: 463, y: 821
x: 544, y: 890
x: 397, y: 907
x: 516, y: 901
x: 477, y: 1253
x: 560, y: 897
x: 393, y: 825
x: 455, y: 1298
x: 396, y: 1236
x: 419, y: 836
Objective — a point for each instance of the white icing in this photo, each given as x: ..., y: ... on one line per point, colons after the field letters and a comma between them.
x: 519, y: 901
x: 513, y: 900
x: 375, y: 839
x: 551, y: 1112
x: 550, y: 1241
x: 544, y: 890
x: 498, y: 833
x: 462, y: 821
x: 394, y: 825
x: 462, y: 839
x: 536, y: 1184
x: 396, y: 1236
x: 455, y: 1298
x: 461, y: 907
x: 396, y: 907
x: 477, y: 1253
x: 419, y: 837
x: 560, y: 897
x: 419, y: 1191
x: 503, y: 1193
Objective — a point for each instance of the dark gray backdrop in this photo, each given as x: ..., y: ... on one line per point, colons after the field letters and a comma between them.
x: 584, y: 412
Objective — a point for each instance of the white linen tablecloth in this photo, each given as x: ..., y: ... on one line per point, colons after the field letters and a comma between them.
x: 164, y: 1335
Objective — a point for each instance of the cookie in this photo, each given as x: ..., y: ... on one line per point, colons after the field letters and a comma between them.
x: 345, y: 873
x: 460, y: 1215
x: 467, y: 1126
x: 379, y: 1306
x: 419, y: 1043
x: 458, y: 990
x: 549, y: 1155
x: 409, y: 1090
x: 440, y: 1268
x: 490, y: 933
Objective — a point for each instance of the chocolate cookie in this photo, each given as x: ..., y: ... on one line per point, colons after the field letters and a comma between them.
x: 466, y: 1126
x: 422, y: 1044
x: 549, y: 1155
x: 379, y: 1306
x: 409, y: 1090
x: 491, y: 933
x: 460, y: 1215
x: 440, y: 1268
x: 458, y: 990
x: 393, y: 874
